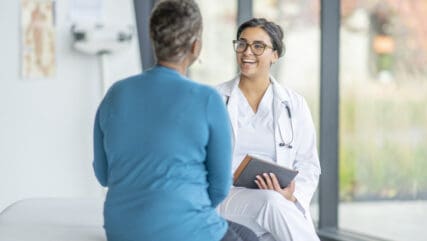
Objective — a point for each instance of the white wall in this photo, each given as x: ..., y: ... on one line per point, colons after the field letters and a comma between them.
x: 46, y: 125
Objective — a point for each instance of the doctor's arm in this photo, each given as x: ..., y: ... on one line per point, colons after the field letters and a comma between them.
x: 306, y: 158
x: 100, y: 164
x: 218, y: 150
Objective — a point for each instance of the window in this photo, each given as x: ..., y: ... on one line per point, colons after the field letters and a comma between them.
x: 216, y: 63
x: 383, y: 118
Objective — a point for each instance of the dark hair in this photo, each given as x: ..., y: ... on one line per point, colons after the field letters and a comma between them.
x: 273, y: 30
x: 174, y: 25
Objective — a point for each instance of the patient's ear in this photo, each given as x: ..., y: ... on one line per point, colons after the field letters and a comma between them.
x: 196, y: 47
x: 195, y: 50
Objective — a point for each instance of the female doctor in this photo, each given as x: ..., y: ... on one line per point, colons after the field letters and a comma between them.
x: 275, y: 124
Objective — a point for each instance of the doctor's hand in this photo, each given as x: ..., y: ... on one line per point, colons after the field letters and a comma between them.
x: 270, y: 182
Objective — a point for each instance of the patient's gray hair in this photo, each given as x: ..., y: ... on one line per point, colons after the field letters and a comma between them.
x: 174, y: 26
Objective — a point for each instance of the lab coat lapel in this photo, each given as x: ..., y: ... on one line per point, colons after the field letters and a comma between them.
x: 232, y: 106
x: 282, y: 125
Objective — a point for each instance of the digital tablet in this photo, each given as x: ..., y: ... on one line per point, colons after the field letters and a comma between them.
x: 250, y: 167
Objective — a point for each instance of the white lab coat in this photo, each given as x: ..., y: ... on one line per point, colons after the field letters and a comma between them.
x: 302, y: 157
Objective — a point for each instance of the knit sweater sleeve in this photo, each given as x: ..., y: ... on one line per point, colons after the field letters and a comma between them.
x: 219, y: 153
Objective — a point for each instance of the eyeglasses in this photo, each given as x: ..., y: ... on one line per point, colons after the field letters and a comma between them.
x: 257, y: 47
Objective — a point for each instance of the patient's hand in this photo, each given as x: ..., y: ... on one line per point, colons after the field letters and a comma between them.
x: 270, y: 182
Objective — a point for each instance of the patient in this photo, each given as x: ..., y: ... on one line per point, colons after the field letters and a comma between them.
x: 162, y: 143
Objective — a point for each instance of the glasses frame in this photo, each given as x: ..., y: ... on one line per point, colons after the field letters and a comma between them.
x: 236, y: 42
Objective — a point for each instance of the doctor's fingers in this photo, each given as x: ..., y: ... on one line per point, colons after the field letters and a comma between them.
x: 275, y: 182
x: 260, y: 182
x: 268, y: 181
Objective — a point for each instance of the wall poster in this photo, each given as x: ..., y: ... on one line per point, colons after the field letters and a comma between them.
x: 38, y: 39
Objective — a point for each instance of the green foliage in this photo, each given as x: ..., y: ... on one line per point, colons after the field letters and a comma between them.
x: 383, y: 142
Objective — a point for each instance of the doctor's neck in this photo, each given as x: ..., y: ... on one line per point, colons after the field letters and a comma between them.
x: 259, y: 84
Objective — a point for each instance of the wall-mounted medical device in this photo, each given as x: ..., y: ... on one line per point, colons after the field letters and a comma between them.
x: 101, y: 40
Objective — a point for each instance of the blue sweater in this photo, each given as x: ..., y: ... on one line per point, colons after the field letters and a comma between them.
x: 162, y: 146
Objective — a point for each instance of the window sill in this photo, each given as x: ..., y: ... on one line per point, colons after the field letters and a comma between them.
x: 333, y: 234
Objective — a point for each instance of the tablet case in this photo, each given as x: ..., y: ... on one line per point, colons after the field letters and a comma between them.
x: 245, y: 174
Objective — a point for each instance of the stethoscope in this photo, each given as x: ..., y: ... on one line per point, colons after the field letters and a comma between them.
x: 283, y: 143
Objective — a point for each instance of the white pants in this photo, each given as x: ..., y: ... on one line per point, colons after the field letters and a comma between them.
x: 268, y: 214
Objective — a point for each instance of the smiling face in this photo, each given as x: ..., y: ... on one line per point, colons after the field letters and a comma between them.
x: 251, y: 65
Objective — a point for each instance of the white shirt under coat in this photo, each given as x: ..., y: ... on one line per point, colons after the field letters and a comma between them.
x: 256, y: 129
